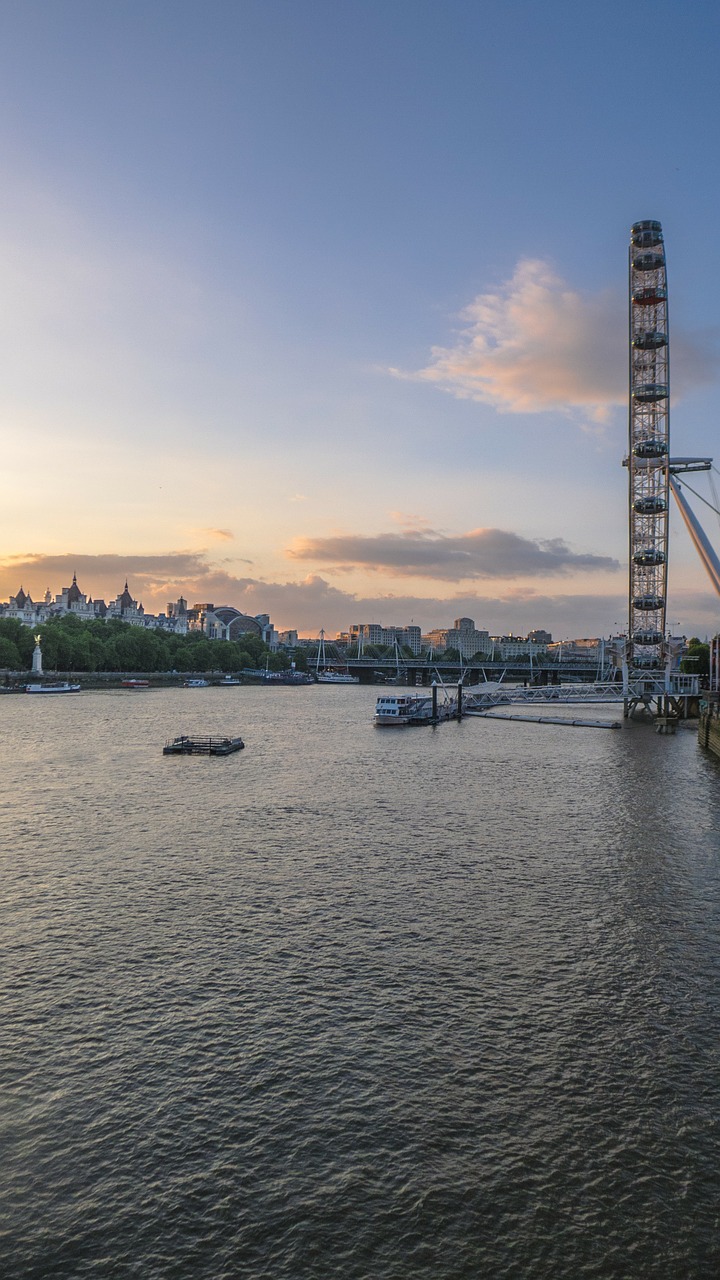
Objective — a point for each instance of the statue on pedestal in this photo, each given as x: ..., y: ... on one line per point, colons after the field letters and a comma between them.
x: 37, y: 669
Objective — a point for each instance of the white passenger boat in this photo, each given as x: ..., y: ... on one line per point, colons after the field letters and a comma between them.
x: 417, y: 708
x: 52, y: 688
x: 403, y: 708
x: 197, y: 684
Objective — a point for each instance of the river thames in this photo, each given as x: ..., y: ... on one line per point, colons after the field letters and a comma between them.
x: 420, y: 1004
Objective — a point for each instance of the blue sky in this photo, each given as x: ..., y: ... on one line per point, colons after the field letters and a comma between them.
x: 320, y: 308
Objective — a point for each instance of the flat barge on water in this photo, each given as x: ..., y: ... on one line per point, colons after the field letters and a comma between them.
x: 185, y: 746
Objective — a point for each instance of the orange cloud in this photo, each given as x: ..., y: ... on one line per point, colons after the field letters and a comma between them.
x: 221, y: 535
x: 536, y: 345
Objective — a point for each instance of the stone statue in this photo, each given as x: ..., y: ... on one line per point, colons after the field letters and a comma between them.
x: 37, y: 669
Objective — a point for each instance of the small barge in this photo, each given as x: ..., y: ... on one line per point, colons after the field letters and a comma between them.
x: 185, y: 746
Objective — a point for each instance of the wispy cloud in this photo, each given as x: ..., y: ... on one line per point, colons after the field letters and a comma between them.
x: 535, y: 345
x: 219, y: 535
x: 481, y: 553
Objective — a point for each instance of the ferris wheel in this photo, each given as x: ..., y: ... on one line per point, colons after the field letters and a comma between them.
x: 649, y: 445
x: 653, y: 476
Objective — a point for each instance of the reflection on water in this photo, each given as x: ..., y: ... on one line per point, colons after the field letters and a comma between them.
x: 355, y: 1003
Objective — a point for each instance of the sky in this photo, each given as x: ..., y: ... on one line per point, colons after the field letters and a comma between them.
x: 319, y: 307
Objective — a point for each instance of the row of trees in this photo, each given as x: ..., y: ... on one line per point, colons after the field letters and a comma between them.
x: 110, y: 645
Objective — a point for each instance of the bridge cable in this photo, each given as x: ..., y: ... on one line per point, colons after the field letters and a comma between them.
x: 699, y: 495
x: 713, y: 489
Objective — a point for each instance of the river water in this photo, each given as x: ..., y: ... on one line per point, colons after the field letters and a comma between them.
x: 371, y: 1004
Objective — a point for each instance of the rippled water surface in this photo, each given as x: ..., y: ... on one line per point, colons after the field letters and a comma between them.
x: 356, y: 1003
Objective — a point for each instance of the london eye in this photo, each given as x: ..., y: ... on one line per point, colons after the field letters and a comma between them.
x: 653, y: 474
x: 649, y: 446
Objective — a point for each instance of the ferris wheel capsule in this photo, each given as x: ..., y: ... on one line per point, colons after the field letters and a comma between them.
x: 653, y: 447
x: 648, y: 261
x: 649, y: 555
x: 649, y: 603
x: 649, y: 340
x: 649, y: 506
x: 648, y: 392
x: 649, y: 295
x: 645, y: 235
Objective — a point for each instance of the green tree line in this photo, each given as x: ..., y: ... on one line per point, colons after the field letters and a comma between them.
x: 68, y: 644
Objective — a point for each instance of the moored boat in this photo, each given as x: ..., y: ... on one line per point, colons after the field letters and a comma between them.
x: 286, y: 677
x: 403, y: 708
x: 197, y: 684
x: 289, y: 675
x: 52, y: 688
x: 330, y: 675
x: 444, y: 703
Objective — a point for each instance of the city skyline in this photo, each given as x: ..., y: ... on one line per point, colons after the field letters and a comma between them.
x: 71, y: 598
x: 321, y: 311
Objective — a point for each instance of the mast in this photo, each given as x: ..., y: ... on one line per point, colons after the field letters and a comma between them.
x: 320, y: 663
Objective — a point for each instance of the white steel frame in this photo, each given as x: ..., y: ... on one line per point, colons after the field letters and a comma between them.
x: 649, y: 444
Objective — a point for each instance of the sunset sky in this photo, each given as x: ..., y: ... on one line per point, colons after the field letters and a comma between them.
x: 318, y: 307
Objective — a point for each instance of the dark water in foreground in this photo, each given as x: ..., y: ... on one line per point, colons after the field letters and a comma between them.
x: 355, y: 1003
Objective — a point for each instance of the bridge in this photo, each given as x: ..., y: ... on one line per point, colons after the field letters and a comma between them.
x: 423, y: 671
